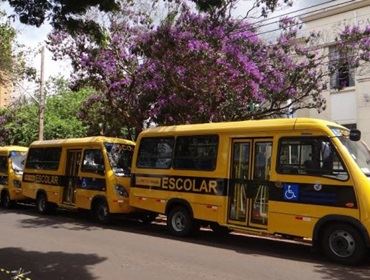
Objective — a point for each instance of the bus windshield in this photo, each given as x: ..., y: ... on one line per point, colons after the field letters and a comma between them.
x: 120, y: 158
x: 357, y: 149
x: 18, y: 160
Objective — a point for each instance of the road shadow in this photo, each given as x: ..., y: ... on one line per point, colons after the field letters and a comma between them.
x: 241, y: 243
x: 46, y: 265
x: 331, y: 271
x: 63, y: 219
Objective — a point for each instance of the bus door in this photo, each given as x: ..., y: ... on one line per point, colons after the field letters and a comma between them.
x: 249, y: 182
x: 73, y: 163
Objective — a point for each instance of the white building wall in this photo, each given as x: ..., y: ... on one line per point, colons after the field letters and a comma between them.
x: 350, y: 105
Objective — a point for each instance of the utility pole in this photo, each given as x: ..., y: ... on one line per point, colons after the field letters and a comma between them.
x: 42, y: 96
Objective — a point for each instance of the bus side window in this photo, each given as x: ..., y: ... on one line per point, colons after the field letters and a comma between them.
x: 198, y: 152
x: 44, y: 158
x: 155, y: 152
x: 93, y: 161
x: 310, y: 156
x: 3, y: 164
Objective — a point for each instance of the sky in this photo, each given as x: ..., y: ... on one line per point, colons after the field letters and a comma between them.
x: 33, y: 37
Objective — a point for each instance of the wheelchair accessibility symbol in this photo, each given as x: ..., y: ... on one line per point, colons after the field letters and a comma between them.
x: 291, y: 192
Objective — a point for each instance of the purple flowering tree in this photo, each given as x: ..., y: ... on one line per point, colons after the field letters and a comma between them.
x: 198, y: 67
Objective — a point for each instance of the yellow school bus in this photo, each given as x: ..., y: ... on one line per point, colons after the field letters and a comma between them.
x: 11, y: 169
x: 302, y: 178
x: 85, y: 173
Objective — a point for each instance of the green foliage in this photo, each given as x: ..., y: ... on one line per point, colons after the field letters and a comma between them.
x: 7, y: 36
x: 61, y: 118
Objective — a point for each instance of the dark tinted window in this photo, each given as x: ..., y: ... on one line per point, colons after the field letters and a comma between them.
x: 93, y: 161
x: 3, y: 164
x: 310, y: 156
x: 196, y: 152
x: 155, y: 152
x: 43, y: 158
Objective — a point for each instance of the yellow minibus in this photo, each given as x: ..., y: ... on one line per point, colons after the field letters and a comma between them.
x: 84, y: 173
x: 302, y: 178
x: 11, y: 169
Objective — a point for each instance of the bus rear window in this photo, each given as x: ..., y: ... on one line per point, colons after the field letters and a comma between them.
x: 196, y: 152
x: 43, y: 158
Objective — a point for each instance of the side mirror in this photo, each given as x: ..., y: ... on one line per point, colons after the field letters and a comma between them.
x: 355, y: 135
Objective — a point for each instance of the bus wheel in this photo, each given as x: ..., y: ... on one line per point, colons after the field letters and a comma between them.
x: 342, y: 243
x: 5, y: 200
x: 101, y: 212
x: 179, y: 221
x: 42, y: 204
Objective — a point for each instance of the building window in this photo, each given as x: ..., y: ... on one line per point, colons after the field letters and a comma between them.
x: 342, y: 75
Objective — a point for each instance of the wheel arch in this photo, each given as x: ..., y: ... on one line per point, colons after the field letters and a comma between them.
x: 330, y: 219
x: 178, y: 202
x: 3, y: 191
x: 98, y: 198
x: 41, y: 191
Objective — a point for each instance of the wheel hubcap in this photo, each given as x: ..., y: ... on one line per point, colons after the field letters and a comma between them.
x: 42, y: 204
x: 103, y: 212
x: 6, y: 200
x: 342, y: 243
x: 178, y: 221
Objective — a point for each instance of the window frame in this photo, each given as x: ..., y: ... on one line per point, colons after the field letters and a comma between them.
x: 59, y: 149
x: 193, y: 169
x: 158, y: 137
x: 278, y: 165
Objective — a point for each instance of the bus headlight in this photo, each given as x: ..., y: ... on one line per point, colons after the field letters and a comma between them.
x: 120, y: 190
x: 17, y: 184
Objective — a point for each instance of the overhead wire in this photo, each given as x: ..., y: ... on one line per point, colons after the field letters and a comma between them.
x: 294, y: 17
x: 296, y: 24
x: 302, y: 9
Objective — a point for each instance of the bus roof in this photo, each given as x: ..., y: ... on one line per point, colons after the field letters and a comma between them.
x: 13, y: 148
x: 255, y: 125
x: 90, y: 140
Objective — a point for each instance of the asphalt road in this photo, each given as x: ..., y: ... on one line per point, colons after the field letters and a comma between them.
x: 67, y: 246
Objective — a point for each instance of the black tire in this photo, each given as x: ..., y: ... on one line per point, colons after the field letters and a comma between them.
x: 180, y: 222
x: 220, y: 230
x: 101, y: 212
x: 342, y: 243
x: 5, y: 200
x: 42, y: 204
